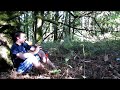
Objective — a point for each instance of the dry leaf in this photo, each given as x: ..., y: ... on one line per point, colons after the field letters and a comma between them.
x: 106, y: 58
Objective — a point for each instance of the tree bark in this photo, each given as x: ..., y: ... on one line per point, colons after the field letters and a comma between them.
x: 55, y: 26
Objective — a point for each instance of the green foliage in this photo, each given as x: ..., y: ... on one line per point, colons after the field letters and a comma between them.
x: 108, y: 20
x: 55, y: 71
x: 68, y: 49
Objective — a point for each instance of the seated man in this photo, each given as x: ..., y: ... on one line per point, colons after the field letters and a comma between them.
x: 24, y: 60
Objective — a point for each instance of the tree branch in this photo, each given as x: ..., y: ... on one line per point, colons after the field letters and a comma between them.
x: 97, y: 23
x: 13, y: 17
x: 57, y: 23
x: 48, y: 35
x: 80, y: 15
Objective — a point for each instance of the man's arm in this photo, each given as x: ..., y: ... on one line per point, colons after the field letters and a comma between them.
x: 21, y: 55
x: 33, y: 49
x: 24, y: 55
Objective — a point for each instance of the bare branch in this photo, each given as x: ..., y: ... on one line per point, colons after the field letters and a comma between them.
x: 48, y: 35
x: 80, y: 15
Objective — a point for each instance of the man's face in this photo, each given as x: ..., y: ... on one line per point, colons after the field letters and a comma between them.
x: 21, y: 38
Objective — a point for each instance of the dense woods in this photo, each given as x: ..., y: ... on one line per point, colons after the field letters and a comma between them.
x: 82, y: 44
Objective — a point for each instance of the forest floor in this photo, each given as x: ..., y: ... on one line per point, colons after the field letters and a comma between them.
x: 99, y: 67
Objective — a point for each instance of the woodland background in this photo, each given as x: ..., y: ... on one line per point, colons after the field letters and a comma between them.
x: 82, y: 44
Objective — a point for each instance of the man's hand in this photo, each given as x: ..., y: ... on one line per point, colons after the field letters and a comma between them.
x: 32, y: 49
x: 36, y: 45
x: 28, y: 42
x: 37, y: 49
x: 40, y: 47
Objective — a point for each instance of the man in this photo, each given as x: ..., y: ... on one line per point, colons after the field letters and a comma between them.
x: 24, y: 60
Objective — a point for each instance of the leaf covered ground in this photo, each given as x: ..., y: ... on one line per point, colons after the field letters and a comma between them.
x: 99, y: 67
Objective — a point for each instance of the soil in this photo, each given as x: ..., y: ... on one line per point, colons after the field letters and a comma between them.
x: 98, y: 67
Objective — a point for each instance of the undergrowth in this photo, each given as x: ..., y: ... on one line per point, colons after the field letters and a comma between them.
x: 71, y: 48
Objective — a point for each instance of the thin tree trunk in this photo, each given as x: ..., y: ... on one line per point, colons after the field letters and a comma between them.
x: 55, y: 26
x: 27, y: 31
x: 35, y: 31
x: 69, y: 30
x: 73, y: 31
x: 40, y: 31
x: 33, y: 27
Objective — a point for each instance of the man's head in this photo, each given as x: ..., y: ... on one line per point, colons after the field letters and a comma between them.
x: 19, y: 36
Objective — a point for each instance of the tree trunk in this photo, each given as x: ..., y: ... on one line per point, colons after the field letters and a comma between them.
x: 73, y: 31
x: 69, y: 30
x: 27, y: 31
x: 65, y: 29
x: 55, y: 26
x: 40, y: 31
x: 35, y: 31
